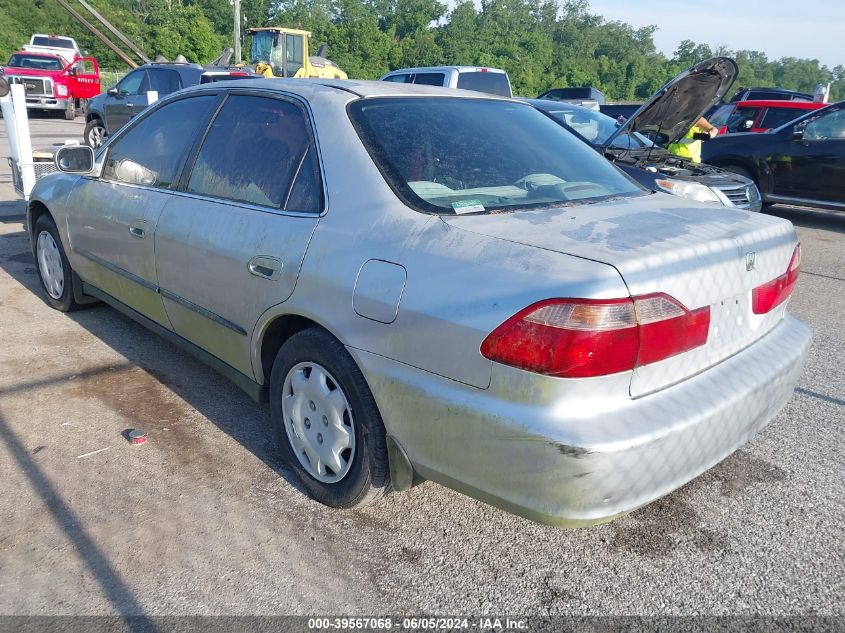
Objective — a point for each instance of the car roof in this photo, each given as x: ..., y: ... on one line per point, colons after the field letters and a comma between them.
x: 460, y: 69
x: 776, y: 103
x: 359, y: 88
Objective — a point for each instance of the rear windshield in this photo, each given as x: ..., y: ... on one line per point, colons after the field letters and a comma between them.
x: 56, y: 42
x: 492, y: 83
x: 452, y: 155
x: 38, y: 62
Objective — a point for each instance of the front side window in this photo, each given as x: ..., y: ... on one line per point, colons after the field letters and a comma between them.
x: 828, y: 126
x: 259, y: 151
x: 164, y: 81
x: 742, y: 119
x: 429, y: 79
x: 131, y: 84
x: 491, y: 83
x: 153, y: 151
x: 492, y: 155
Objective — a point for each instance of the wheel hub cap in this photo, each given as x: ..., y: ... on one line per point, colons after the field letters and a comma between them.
x: 50, y: 265
x: 318, y: 422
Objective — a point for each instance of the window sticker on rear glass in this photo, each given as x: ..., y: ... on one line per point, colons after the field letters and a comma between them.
x: 467, y: 206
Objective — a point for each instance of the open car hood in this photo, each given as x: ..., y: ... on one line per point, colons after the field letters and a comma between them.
x: 675, y: 108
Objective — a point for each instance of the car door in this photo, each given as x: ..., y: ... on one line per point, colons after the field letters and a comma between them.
x: 112, y: 218
x: 85, y: 78
x: 817, y: 158
x: 230, y: 245
x: 121, y: 103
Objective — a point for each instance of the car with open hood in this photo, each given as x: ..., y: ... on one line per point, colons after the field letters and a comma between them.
x: 488, y: 304
x: 637, y: 145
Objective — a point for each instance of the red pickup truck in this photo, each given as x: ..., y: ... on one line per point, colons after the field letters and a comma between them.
x: 51, y: 82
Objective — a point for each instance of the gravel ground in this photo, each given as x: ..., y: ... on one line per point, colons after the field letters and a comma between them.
x: 204, y: 519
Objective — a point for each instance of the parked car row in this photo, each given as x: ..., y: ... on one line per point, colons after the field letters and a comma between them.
x: 488, y: 303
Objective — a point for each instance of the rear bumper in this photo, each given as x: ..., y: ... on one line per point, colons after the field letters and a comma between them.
x: 572, y: 465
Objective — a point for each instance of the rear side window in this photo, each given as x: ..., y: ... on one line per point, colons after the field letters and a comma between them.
x: 775, y: 117
x: 259, y: 151
x: 153, y: 151
x: 492, y: 83
x: 164, y: 81
x: 429, y: 79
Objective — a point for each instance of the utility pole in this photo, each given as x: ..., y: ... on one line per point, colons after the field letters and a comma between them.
x: 237, y: 33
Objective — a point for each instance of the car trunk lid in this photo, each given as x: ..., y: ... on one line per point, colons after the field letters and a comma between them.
x: 664, y: 244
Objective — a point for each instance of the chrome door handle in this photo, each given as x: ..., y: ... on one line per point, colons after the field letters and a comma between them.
x: 265, y: 267
x: 138, y: 229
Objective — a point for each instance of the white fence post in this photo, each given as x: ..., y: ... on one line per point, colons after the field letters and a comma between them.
x: 22, y: 143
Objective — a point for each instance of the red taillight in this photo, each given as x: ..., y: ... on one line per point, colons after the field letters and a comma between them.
x: 580, y: 338
x: 770, y: 295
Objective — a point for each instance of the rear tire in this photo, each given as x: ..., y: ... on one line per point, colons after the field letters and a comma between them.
x: 327, y: 422
x: 54, y: 271
x: 94, y: 134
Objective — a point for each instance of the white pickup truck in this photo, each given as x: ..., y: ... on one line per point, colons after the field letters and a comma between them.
x: 54, y: 44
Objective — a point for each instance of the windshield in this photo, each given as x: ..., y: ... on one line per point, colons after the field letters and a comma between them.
x: 262, y: 44
x: 595, y: 128
x: 455, y: 155
x: 38, y: 62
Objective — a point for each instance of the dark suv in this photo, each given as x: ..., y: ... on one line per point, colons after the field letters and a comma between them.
x: 111, y: 110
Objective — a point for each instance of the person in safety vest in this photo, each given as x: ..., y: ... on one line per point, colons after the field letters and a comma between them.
x: 690, y: 145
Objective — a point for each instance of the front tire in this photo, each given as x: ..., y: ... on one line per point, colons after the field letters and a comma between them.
x: 70, y: 109
x: 328, y: 425
x: 94, y: 134
x: 54, y: 271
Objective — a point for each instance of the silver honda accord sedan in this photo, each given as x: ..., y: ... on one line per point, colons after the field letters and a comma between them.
x: 433, y: 284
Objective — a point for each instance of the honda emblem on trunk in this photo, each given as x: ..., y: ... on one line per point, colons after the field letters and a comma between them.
x: 750, y: 261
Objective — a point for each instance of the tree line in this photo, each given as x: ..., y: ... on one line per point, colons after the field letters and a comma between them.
x: 541, y: 43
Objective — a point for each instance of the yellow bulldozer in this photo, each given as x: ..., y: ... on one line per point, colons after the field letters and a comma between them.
x: 280, y: 52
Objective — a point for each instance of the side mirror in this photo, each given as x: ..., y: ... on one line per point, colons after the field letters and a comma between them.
x: 75, y: 159
x: 72, y: 71
x: 798, y: 132
x: 112, y: 92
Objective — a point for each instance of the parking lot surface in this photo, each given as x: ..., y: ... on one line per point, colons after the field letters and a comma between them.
x: 204, y: 519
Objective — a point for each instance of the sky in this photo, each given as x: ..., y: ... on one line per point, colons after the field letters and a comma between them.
x: 780, y: 28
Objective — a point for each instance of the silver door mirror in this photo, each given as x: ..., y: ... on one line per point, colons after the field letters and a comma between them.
x: 798, y: 132
x: 75, y: 159
x: 112, y: 92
